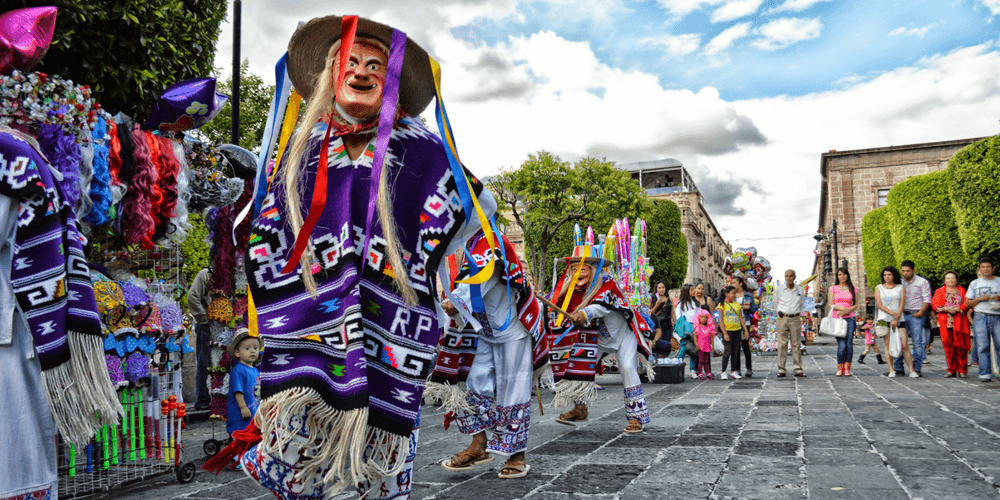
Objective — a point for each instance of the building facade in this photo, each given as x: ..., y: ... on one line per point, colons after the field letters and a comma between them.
x: 857, y: 182
x: 668, y: 179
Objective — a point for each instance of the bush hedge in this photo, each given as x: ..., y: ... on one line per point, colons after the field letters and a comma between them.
x: 923, y: 228
x: 974, y: 173
x: 876, y: 244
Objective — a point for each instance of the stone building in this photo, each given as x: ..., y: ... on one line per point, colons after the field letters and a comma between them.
x: 857, y: 182
x: 707, y: 250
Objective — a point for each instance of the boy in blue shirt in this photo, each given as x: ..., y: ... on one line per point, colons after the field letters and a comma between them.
x: 242, y: 400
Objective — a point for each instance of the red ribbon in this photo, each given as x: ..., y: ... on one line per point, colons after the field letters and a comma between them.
x: 242, y: 441
x: 348, y: 29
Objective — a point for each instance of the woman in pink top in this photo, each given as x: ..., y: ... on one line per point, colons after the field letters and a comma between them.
x: 843, y: 297
x: 704, y: 332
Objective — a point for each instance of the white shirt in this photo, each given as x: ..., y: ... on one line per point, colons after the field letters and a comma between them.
x: 918, y: 293
x: 789, y: 302
x: 497, y: 306
x: 890, y: 300
x: 615, y: 323
x: 980, y: 287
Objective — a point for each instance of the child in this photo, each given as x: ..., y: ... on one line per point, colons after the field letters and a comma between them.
x: 242, y: 381
x: 703, y: 333
x: 734, y: 331
x: 868, y: 331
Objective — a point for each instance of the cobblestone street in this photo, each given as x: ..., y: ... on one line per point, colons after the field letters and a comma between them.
x: 822, y: 437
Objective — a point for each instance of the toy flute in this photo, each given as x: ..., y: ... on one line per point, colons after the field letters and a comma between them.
x: 104, y: 445
x: 90, y: 457
x: 72, y: 460
x: 142, y: 425
x: 181, y: 411
x: 167, y: 438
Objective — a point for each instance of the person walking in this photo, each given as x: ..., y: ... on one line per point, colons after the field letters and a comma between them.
x: 984, y: 298
x: 789, y: 300
x: 918, y: 303
x: 684, y: 316
x: 198, y: 299
x: 746, y: 301
x: 949, y: 303
x: 844, y: 299
x: 889, y: 298
x: 733, y: 330
x: 868, y: 329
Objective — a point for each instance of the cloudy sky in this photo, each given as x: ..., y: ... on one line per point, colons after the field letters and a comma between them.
x: 745, y: 93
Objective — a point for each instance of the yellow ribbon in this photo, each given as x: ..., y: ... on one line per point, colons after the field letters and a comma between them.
x: 287, y: 127
x: 486, y: 272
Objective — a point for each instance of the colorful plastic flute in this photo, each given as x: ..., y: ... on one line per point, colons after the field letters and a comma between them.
x: 72, y: 460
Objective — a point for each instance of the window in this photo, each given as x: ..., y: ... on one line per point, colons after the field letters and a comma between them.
x: 883, y: 197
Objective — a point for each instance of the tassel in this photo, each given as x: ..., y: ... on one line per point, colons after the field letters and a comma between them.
x: 453, y: 398
x: 89, y: 369
x: 568, y: 392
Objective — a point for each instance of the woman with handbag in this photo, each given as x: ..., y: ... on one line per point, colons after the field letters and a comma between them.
x: 889, y: 299
x: 843, y: 298
x: 949, y: 304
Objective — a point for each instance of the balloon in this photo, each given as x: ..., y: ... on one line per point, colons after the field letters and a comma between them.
x: 751, y: 284
x: 25, y: 35
x: 577, y: 235
x: 767, y: 265
x: 767, y: 279
x: 186, y: 105
x: 727, y: 267
x: 739, y: 260
x: 590, y: 235
x: 751, y: 253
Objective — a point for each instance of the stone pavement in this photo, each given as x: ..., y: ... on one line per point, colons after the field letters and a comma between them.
x: 822, y: 437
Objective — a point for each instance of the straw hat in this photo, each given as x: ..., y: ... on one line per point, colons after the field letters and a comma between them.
x: 241, y: 335
x: 310, y: 44
x: 588, y: 254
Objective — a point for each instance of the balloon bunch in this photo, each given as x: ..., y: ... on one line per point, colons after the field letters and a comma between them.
x: 745, y: 262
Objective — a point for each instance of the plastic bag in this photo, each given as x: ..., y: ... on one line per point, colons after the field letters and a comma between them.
x: 895, y: 345
x: 718, y: 346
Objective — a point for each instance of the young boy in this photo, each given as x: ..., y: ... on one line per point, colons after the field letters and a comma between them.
x: 242, y: 402
x: 732, y: 325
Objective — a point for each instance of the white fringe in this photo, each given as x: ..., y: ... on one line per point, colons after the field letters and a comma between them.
x: 453, y: 397
x: 542, y: 377
x: 569, y: 392
x: 644, y: 364
x: 339, y: 441
x: 89, y: 369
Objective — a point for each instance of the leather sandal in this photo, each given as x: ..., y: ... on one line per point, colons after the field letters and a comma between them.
x: 579, y: 413
x: 465, y: 460
x: 514, y: 470
x: 633, y: 426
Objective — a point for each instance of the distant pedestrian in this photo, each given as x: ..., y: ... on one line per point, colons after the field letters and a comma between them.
x: 704, y: 332
x: 890, y: 297
x: 198, y: 299
x: 733, y: 330
x: 789, y: 300
x: 868, y: 330
x: 984, y: 298
x: 662, y: 307
x: 918, y: 304
x: 684, y: 316
x: 844, y: 300
x: 949, y: 303
x: 749, y: 306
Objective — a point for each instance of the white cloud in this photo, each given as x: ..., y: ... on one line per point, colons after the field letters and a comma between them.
x: 917, y: 32
x: 735, y: 10
x: 681, y: 8
x: 993, y: 5
x: 675, y: 45
x: 796, y: 5
x: 727, y: 38
x: 783, y: 32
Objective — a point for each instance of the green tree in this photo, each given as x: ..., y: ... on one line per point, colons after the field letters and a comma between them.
x: 128, y: 51
x: 975, y: 195
x: 876, y: 244
x: 666, y: 244
x: 548, y: 196
x: 922, y: 225
x: 255, y: 102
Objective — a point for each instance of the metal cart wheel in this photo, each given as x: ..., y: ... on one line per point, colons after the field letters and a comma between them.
x: 185, y: 473
x: 211, y: 447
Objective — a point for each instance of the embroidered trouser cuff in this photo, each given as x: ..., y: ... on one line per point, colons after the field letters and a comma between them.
x: 635, y: 404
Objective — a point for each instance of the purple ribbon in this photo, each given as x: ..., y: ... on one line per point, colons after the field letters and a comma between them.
x: 387, y: 116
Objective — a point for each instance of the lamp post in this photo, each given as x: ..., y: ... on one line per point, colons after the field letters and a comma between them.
x: 235, y: 100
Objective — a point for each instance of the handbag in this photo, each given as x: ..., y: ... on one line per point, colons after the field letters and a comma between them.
x: 835, y: 327
x: 895, y: 345
x: 718, y: 346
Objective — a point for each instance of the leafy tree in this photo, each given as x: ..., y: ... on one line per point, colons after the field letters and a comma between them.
x: 975, y: 195
x: 876, y: 244
x: 128, y: 51
x: 255, y: 102
x: 547, y: 196
x: 666, y: 244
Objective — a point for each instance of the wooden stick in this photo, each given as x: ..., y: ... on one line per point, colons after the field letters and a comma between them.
x: 541, y: 410
x: 550, y: 304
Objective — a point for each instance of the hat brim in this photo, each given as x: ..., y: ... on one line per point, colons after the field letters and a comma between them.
x: 308, y: 48
x: 231, y: 348
x: 593, y: 261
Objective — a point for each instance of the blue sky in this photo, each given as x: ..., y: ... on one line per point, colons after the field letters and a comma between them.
x: 855, y: 40
x: 746, y: 94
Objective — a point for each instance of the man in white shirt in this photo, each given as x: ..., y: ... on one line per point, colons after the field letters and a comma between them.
x: 918, y: 302
x: 984, y: 296
x: 789, y: 300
